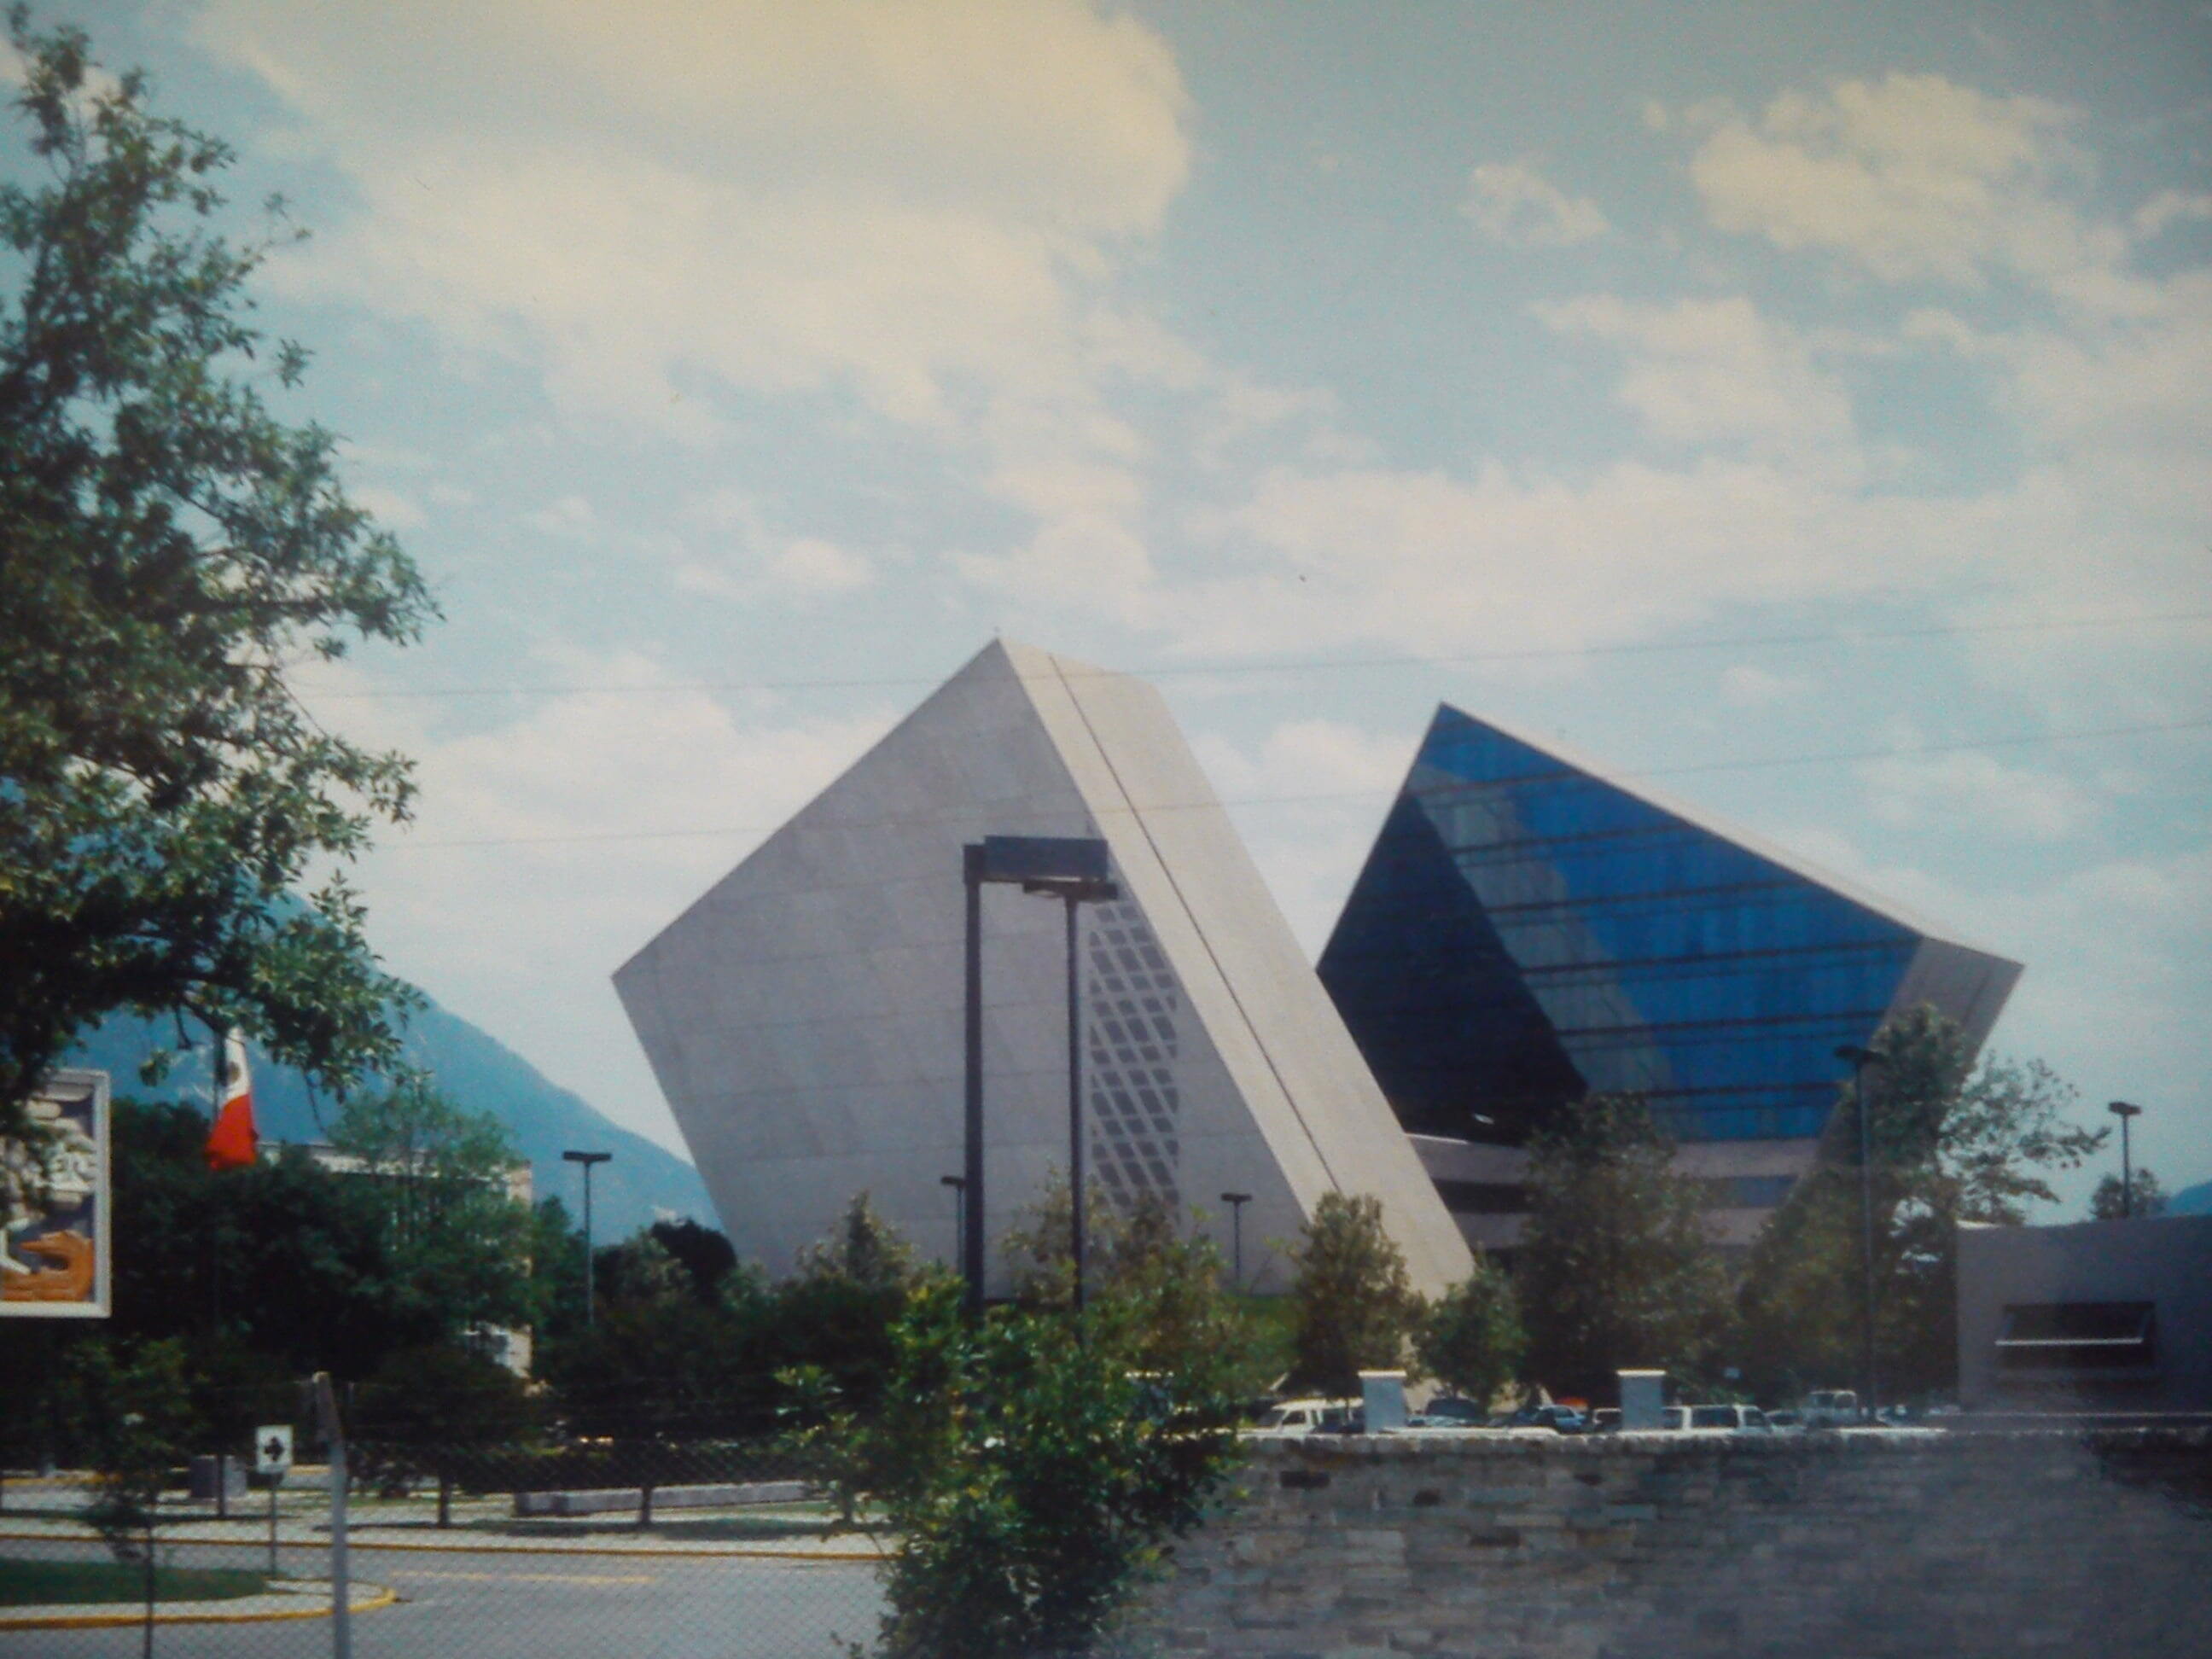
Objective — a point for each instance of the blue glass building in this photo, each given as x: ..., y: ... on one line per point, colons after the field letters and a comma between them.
x: 1528, y: 933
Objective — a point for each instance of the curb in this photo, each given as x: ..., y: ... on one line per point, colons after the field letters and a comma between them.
x: 354, y: 1541
x: 382, y: 1598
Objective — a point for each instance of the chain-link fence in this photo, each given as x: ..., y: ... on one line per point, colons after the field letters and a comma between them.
x: 636, y: 1544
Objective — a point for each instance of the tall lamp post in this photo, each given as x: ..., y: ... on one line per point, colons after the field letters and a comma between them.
x: 1072, y: 869
x: 2126, y: 1114
x: 588, y: 1159
x: 959, y: 1185
x: 1862, y: 1060
x: 1237, y: 1201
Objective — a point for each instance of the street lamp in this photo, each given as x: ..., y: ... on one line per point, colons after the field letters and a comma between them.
x: 1074, y: 870
x: 1237, y: 1201
x: 588, y: 1159
x: 2122, y: 1110
x: 959, y: 1185
x: 1860, y: 1060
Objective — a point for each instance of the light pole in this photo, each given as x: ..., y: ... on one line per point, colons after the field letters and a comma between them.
x: 2125, y: 1113
x: 959, y: 1185
x: 1237, y: 1201
x: 588, y: 1159
x: 1072, y: 868
x: 1861, y: 1060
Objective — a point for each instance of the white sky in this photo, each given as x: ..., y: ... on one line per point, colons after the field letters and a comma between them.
x: 735, y: 370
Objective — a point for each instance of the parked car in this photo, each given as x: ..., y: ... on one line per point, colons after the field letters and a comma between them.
x: 1315, y: 1416
x: 1606, y: 1419
x: 1560, y: 1420
x: 1726, y: 1419
x: 1448, y: 1411
x: 1787, y: 1422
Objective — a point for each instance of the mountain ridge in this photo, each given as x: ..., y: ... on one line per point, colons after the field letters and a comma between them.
x: 643, y: 1182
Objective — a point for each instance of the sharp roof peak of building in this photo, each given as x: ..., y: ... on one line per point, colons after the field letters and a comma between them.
x: 1024, y: 659
x: 1714, y: 823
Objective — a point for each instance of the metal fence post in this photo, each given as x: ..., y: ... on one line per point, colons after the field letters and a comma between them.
x: 334, y: 1431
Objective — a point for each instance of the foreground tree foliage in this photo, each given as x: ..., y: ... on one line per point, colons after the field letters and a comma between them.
x: 1356, y: 1307
x: 172, y: 548
x: 1033, y: 1473
x: 1615, y: 1269
x: 1953, y: 1141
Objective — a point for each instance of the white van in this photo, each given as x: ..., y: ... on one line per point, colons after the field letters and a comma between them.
x: 1316, y: 1416
x: 1725, y: 1419
x: 1831, y: 1409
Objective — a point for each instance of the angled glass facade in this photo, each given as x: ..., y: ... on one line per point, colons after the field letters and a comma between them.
x: 1526, y: 934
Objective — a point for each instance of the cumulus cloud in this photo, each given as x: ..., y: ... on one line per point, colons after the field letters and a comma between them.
x: 1980, y: 792
x: 1306, y: 798
x: 549, y: 846
x: 1914, y: 176
x: 883, y: 198
x: 1703, y: 372
x: 1512, y: 203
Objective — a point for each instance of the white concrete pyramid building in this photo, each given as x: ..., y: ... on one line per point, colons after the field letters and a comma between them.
x: 803, y: 1018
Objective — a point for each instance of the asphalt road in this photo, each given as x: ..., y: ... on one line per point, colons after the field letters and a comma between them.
x: 472, y: 1604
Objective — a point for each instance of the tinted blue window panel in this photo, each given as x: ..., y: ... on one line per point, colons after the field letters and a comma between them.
x: 1525, y: 934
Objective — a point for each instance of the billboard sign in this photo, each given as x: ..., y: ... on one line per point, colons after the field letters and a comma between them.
x: 55, y: 1207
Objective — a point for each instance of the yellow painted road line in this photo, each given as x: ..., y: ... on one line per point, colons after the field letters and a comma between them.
x: 679, y: 1552
x: 109, y: 1620
x: 533, y: 1577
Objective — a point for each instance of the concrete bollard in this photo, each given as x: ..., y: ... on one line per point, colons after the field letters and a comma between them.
x: 1382, y: 1394
x: 1642, y: 1393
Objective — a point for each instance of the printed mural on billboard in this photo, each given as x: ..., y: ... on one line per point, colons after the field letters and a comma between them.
x: 54, y: 1204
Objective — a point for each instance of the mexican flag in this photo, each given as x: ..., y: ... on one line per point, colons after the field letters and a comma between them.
x: 231, y: 1143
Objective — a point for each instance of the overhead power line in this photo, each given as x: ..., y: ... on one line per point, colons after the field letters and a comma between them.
x: 1834, y: 756
x: 1285, y: 666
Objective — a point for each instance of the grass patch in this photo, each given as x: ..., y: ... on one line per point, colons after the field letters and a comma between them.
x: 39, y: 1583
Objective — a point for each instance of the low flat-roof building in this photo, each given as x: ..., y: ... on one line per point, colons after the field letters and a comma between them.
x: 2100, y: 1315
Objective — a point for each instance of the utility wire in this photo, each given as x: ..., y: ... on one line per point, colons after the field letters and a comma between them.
x: 1760, y: 763
x: 1290, y: 666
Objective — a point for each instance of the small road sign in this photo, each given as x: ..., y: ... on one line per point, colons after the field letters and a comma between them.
x: 272, y: 1449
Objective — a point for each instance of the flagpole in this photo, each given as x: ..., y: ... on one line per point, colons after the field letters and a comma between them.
x: 214, y: 1233
x: 215, y: 1244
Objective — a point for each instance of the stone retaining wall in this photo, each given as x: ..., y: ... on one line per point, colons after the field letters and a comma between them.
x: 1851, y: 1545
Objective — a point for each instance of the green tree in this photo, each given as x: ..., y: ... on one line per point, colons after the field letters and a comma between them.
x: 1471, y: 1339
x: 2142, y: 1196
x: 1356, y: 1307
x: 284, y: 1260
x: 1614, y: 1268
x: 130, y: 1404
x: 1161, y: 1287
x: 836, y: 1314
x: 437, y: 1409
x: 706, y: 1255
x: 1033, y: 1477
x: 1951, y: 1141
x: 456, y: 1235
x: 172, y: 548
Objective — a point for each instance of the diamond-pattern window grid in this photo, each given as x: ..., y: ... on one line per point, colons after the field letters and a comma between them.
x: 1133, y: 1103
